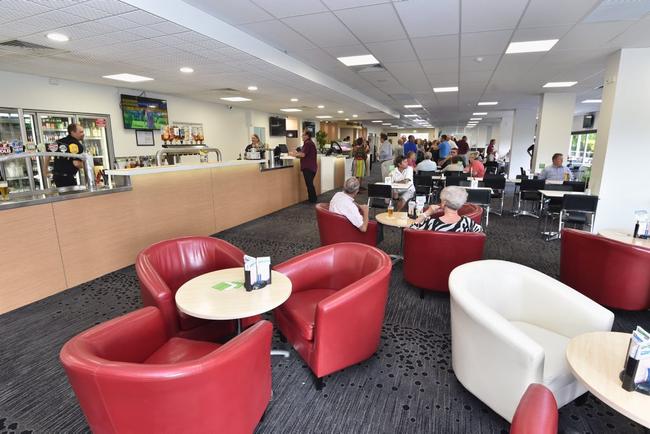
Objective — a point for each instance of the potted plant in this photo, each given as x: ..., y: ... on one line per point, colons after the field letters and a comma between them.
x: 321, y: 139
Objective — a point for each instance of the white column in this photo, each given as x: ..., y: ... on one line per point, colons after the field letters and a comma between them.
x: 623, y: 140
x: 504, y: 141
x: 523, y: 135
x: 554, y: 127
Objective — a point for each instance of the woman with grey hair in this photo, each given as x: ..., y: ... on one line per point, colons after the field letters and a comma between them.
x: 452, y: 198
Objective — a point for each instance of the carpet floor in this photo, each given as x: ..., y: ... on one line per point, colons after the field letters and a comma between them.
x: 408, y: 386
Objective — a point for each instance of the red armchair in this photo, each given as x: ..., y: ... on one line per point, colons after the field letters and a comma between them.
x: 131, y: 376
x: 334, y: 315
x: 335, y: 228
x: 536, y: 412
x: 610, y: 272
x: 165, y: 266
x: 430, y: 256
x: 472, y: 211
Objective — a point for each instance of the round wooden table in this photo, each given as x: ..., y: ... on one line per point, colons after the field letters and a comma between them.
x: 397, y: 220
x: 596, y: 359
x: 621, y: 236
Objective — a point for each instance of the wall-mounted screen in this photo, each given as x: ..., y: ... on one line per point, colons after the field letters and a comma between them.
x: 277, y: 126
x: 309, y: 126
x: 140, y: 113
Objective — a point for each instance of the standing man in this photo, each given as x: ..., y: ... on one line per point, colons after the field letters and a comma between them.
x: 385, y: 155
x: 308, y: 164
x: 463, y: 148
x: 557, y: 172
x: 65, y: 169
x: 410, y: 146
x: 444, y: 148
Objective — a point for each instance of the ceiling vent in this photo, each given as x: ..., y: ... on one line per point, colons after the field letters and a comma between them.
x: 28, y: 48
x: 369, y: 68
x: 225, y: 90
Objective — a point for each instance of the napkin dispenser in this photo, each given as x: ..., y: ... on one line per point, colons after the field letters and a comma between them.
x: 257, y: 272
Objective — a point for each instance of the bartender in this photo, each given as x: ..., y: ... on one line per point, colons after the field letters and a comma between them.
x: 65, y: 169
x: 255, y: 145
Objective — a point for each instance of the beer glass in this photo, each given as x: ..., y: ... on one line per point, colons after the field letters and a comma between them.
x: 4, y: 190
x: 390, y: 209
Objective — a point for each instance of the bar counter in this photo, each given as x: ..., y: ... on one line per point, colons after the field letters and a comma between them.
x: 52, y: 246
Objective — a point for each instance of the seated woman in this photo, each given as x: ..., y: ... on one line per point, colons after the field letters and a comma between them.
x: 452, y: 198
x: 403, y: 174
x: 411, y: 159
x: 475, y: 167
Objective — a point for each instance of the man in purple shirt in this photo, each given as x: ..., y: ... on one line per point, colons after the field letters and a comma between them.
x: 308, y: 164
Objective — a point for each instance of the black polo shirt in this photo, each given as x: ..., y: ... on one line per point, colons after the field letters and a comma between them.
x: 64, y: 166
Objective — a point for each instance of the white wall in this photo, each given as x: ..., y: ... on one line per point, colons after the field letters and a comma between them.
x: 504, y: 139
x: 224, y: 128
x: 523, y: 135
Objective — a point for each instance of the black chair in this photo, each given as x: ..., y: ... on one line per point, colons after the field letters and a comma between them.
x: 449, y: 173
x: 424, y: 180
x: 552, y: 207
x: 576, y: 208
x: 578, y: 186
x: 481, y: 197
x: 491, y: 167
x: 498, y: 185
x: 456, y: 180
x: 429, y: 173
x: 529, y: 192
x: 378, y: 195
x: 423, y: 190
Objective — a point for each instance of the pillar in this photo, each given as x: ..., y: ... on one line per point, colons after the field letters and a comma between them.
x: 618, y: 176
x: 554, y: 127
x: 523, y: 135
x: 504, y: 141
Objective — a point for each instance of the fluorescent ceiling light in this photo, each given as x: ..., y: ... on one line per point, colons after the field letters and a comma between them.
x: 377, y: 122
x: 347, y: 119
x: 445, y: 89
x: 393, y: 126
x: 355, y: 116
x: 340, y: 111
x: 410, y: 116
x: 251, y: 88
x: 479, y: 113
x: 235, y: 99
x: 131, y: 78
x: 488, y: 103
x: 187, y: 70
x: 321, y: 106
x: 413, y: 106
x: 386, y: 123
x: 365, y: 59
x: 560, y: 84
x: 57, y: 37
x: 294, y: 99
x: 290, y: 110
x: 475, y: 119
x: 531, y: 46
x: 324, y: 117
x: 592, y: 101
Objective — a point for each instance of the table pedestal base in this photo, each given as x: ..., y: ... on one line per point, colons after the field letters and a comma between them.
x: 282, y: 353
x: 396, y: 258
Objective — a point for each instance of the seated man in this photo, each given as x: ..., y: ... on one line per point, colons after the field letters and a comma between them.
x: 343, y: 203
x: 557, y: 172
x: 453, y: 160
x: 452, y: 198
x: 403, y: 174
x: 426, y: 165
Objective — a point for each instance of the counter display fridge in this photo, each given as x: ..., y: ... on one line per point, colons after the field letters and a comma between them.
x: 18, y: 136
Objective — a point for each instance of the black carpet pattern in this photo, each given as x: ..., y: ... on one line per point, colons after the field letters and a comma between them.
x: 408, y: 386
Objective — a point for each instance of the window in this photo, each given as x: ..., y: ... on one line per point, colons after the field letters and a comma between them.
x: 581, y: 150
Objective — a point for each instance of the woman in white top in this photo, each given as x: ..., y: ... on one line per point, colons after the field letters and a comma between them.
x: 403, y: 174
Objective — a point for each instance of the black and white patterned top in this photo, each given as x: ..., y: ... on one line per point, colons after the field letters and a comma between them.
x: 465, y: 224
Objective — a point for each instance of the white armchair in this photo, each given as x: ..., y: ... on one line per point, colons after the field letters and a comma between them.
x: 510, y: 326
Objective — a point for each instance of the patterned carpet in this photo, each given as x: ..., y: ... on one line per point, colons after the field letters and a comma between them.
x: 407, y: 387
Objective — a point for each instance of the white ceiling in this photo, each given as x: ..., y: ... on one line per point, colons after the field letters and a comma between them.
x: 421, y: 44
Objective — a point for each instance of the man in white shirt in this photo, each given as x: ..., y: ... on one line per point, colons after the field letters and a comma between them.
x: 403, y: 174
x: 343, y: 203
x: 426, y: 165
x: 557, y: 171
x: 385, y: 155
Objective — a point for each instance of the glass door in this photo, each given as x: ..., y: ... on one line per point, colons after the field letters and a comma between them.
x: 95, y: 140
x: 11, y: 141
x: 53, y: 126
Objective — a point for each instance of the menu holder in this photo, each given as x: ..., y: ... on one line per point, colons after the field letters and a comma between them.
x: 636, y: 372
x: 257, y: 272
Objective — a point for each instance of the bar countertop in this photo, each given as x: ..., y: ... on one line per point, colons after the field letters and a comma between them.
x: 56, y: 195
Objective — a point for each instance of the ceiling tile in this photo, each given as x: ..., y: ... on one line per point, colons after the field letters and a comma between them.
x: 233, y: 12
x: 168, y: 28
x: 498, y: 15
x: 346, y: 4
x: 390, y: 28
x: 393, y: 51
x: 591, y: 35
x: 429, y: 18
x: 290, y: 8
x: 540, y: 33
x: 111, y: 6
x: 141, y: 17
x: 436, y: 47
x: 484, y: 43
x: 544, y: 13
x: 279, y: 35
x: 325, y: 30
x: 487, y: 63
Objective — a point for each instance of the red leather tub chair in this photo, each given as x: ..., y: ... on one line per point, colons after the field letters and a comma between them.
x: 163, y: 267
x: 334, y: 315
x: 430, y: 256
x: 335, y: 228
x: 131, y: 376
x: 536, y: 412
x: 472, y: 211
x: 610, y: 272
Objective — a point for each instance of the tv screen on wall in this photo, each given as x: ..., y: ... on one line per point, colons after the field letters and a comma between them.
x: 140, y: 113
x: 277, y: 126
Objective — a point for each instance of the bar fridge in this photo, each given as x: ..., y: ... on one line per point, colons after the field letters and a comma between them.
x: 17, y: 133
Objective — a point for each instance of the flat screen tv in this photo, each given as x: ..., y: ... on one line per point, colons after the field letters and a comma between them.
x: 277, y: 126
x: 309, y: 126
x: 140, y: 113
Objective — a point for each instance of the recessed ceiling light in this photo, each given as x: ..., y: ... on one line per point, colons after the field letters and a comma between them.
x: 445, y: 89
x: 560, y: 84
x: 475, y: 119
x: 488, y: 103
x: 57, y: 37
x: 376, y: 122
x: 340, y: 111
x: 252, y: 88
x: 294, y: 99
x: 321, y: 106
x: 365, y: 59
x: 386, y: 123
x: 413, y: 106
x: 347, y: 119
x: 592, y: 101
x: 478, y: 59
x: 355, y: 116
x: 324, y: 117
x: 235, y: 99
x: 410, y: 116
x: 131, y: 78
x: 479, y: 113
x: 290, y: 110
x: 531, y: 46
x: 187, y: 70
